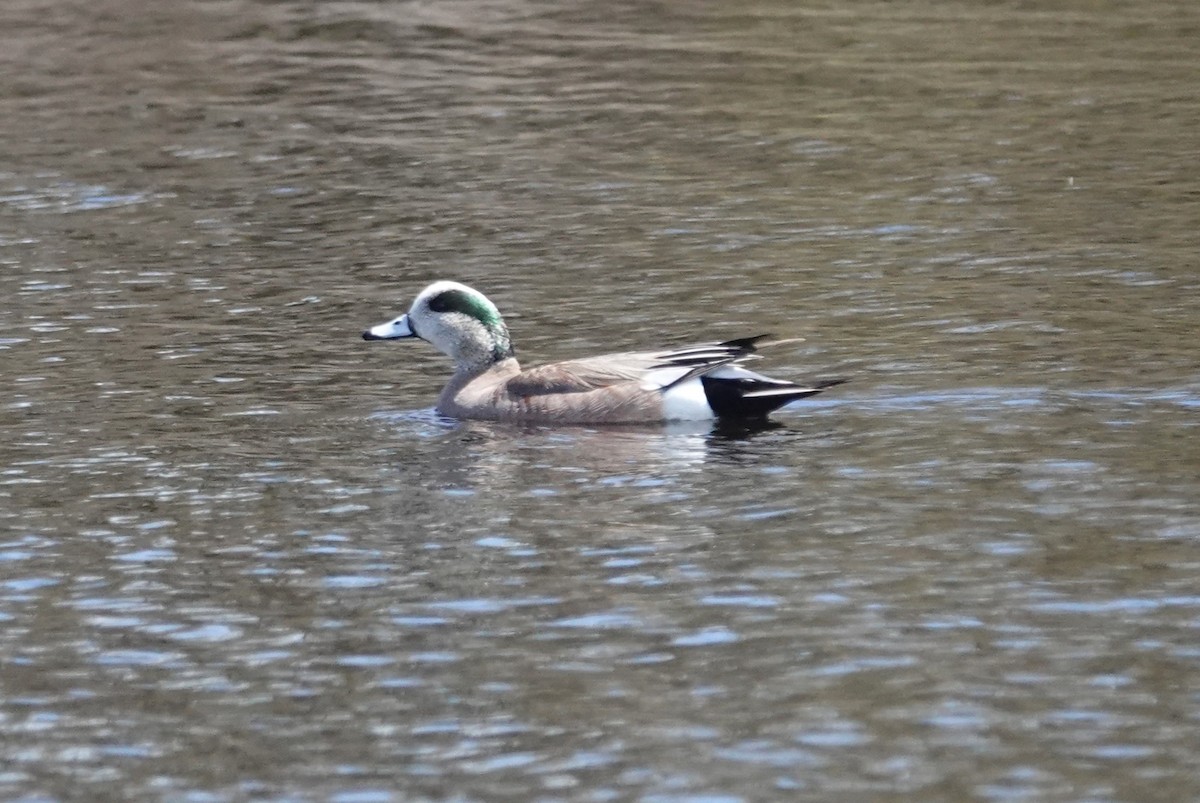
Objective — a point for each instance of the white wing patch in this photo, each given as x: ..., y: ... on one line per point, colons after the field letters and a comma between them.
x: 686, y: 402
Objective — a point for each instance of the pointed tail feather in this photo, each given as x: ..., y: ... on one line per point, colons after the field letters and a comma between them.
x: 749, y: 398
x: 745, y: 345
x: 796, y: 389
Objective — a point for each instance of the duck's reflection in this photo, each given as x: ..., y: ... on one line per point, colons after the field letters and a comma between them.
x: 489, y: 457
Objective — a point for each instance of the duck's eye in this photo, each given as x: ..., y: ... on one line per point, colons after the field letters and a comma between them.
x: 440, y: 303
x: 453, y: 301
x: 472, y: 305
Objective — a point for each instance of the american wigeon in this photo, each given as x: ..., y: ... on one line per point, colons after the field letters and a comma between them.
x: 693, y: 383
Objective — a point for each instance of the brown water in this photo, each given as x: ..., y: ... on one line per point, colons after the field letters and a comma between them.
x: 242, y: 559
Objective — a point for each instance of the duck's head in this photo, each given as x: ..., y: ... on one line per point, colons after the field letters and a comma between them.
x: 458, y: 320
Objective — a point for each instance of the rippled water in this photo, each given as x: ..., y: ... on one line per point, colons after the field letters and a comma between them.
x: 241, y: 558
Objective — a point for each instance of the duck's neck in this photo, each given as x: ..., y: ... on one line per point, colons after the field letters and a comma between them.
x: 488, y: 346
x: 465, y: 375
x: 501, y: 343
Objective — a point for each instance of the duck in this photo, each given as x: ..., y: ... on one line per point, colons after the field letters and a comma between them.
x: 705, y: 381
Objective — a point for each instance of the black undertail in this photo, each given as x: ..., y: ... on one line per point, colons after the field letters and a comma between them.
x: 755, y: 398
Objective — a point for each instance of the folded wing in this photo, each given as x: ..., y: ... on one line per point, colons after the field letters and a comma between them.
x: 653, y: 370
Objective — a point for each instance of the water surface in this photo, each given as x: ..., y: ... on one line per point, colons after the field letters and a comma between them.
x: 241, y: 558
